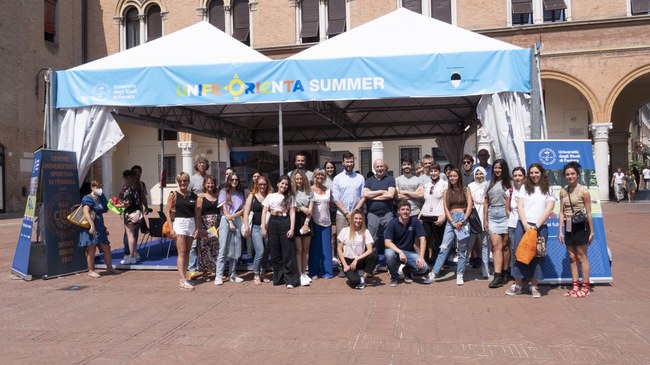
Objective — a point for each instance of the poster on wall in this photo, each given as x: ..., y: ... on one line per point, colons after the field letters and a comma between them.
x: 553, y: 155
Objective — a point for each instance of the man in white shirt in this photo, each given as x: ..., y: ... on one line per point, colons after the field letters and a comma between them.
x: 300, y: 161
x: 646, y: 177
x: 617, y: 183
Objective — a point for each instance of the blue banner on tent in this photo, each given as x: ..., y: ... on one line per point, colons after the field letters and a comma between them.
x: 438, y: 75
x: 553, y: 155
x: 20, y: 265
x: 60, y: 185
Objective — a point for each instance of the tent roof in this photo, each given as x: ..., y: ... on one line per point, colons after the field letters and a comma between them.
x: 198, y: 44
x: 402, y: 32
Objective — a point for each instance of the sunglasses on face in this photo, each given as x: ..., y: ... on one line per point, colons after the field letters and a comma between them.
x: 467, y: 162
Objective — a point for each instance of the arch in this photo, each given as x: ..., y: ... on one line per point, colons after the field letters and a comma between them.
x: 122, y: 5
x: 620, y: 86
x: 584, y: 90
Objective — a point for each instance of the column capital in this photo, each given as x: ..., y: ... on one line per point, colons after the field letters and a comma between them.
x: 187, y: 146
x: 600, y: 131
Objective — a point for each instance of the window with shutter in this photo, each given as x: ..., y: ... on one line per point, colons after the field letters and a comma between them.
x: 413, y: 5
x: 154, y: 23
x: 336, y: 17
x: 554, y: 5
x: 309, y: 18
x: 522, y: 6
x: 49, y: 20
x: 132, y: 28
x: 241, y: 21
x: 640, y: 7
x: 441, y: 10
x: 216, y: 14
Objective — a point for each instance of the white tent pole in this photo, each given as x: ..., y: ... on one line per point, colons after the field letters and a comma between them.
x: 281, y: 140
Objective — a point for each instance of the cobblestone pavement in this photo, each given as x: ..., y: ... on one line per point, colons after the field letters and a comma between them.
x: 143, y: 317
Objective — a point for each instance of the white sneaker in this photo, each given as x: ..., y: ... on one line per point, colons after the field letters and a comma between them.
x: 304, y: 280
x: 514, y: 290
x: 137, y: 256
x: 289, y: 286
x: 217, y: 280
x: 535, y: 292
x: 459, y: 279
x: 429, y: 278
x: 128, y: 260
x: 236, y: 279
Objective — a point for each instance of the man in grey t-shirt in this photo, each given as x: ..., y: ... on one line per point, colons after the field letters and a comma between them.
x: 409, y: 187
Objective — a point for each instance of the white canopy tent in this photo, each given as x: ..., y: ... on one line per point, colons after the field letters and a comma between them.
x: 399, y: 76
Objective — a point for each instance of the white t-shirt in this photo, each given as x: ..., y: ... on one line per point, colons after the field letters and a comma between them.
x: 646, y: 174
x: 514, y: 214
x: 433, y: 202
x: 618, y: 178
x: 535, y: 203
x: 356, y: 248
x: 274, y: 202
x: 321, y: 209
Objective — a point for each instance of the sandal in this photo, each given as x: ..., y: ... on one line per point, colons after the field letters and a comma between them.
x: 94, y: 274
x: 206, y: 277
x: 584, y: 291
x: 185, y: 285
x: 256, y: 280
x: 573, y: 293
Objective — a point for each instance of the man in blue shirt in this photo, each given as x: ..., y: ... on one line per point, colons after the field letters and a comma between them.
x: 379, y: 192
x: 400, y: 236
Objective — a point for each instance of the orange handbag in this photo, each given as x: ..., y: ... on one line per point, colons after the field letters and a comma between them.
x: 527, y: 248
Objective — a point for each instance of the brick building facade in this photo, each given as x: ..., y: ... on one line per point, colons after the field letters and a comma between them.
x: 595, y: 57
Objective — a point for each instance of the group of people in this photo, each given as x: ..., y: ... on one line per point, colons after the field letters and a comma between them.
x: 314, y: 221
x: 629, y: 182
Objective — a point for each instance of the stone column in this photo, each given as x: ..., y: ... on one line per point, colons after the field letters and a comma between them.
x: 186, y: 152
x: 107, y: 172
x: 600, y: 133
x: 376, y: 152
x: 484, y: 142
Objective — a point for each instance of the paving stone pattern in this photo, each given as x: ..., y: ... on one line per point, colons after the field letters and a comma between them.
x: 142, y: 317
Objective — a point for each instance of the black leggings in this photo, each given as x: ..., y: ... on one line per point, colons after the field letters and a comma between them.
x: 433, y: 234
x: 366, y: 264
x: 283, y: 252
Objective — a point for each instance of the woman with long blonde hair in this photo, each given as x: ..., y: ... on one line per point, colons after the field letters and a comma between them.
x: 355, y: 250
x: 253, y: 226
x: 302, y: 233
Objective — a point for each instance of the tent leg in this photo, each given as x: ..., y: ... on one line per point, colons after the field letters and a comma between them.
x: 281, y: 141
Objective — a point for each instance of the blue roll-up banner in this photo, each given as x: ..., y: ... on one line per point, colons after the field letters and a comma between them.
x: 60, y: 181
x: 56, y: 173
x: 20, y: 265
x: 553, y: 155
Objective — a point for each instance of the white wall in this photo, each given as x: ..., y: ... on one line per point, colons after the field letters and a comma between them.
x: 567, y: 112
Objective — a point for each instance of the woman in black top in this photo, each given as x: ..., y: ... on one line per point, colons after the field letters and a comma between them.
x: 183, y: 203
x: 253, y: 227
x: 131, y: 201
x: 207, y: 212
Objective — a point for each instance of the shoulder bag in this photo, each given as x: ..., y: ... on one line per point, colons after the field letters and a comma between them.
x: 578, y: 217
x: 78, y: 218
x: 475, y: 226
x: 167, y: 226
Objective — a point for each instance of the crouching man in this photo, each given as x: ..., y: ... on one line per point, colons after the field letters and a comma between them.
x: 400, y: 236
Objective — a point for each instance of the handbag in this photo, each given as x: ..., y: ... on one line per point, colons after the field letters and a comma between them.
x: 475, y: 226
x: 134, y: 217
x: 78, y: 218
x: 541, y: 247
x: 578, y: 217
x: 527, y: 248
x: 167, y: 226
x: 250, y: 224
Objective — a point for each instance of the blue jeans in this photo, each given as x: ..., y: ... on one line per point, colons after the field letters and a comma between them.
x: 485, y: 251
x: 513, y: 244
x: 194, y: 257
x: 224, y: 246
x: 448, y: 238
x: 534, y: 269
x: 260, y: 262
x: 393, y: 262
x: 320, y: 252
